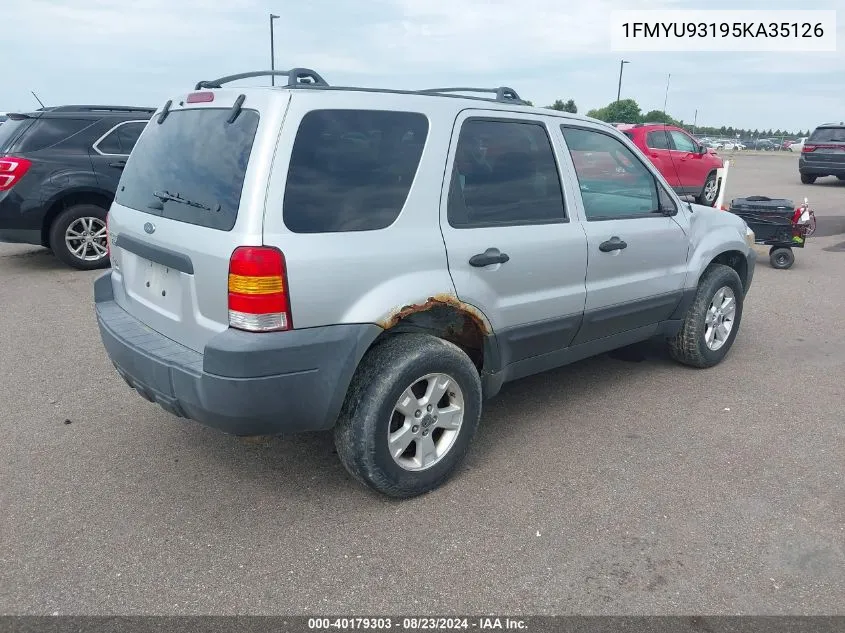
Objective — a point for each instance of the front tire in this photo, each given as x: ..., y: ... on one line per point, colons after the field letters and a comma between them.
x: 410, y: 414
x: 712, y: 321
x: 807, y: 179
x: 709, y: 192
x: 78, y: 237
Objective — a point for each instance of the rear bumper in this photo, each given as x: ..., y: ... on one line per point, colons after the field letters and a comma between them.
x: 243, y: 384
x: 818, y: 168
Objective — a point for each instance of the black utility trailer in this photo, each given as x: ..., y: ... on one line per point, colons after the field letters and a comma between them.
x: 776, y: 223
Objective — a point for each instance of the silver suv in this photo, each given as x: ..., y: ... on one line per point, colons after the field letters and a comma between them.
x: 379, y: 262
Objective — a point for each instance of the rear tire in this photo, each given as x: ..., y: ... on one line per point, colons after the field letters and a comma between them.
x: 807, y: 179
x: 710, y: 191
x: 781, y: 258
x: 718, y: 302
x: 78, y: 237
x: 382, y: 414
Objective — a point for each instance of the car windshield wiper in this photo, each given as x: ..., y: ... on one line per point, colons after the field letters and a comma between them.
x: 166, y: 196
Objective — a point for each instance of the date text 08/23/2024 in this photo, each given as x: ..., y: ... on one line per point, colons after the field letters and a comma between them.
x: 486, y: 623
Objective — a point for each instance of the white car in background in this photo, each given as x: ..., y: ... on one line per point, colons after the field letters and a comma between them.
x: 798, y: 145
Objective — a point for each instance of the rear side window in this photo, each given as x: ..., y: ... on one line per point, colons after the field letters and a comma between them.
x: 820, y: 135
x: 191, y: 167
x: 658, y: 140
x: 505, y: 174
x: 351, y: 170
x: 47, y: 132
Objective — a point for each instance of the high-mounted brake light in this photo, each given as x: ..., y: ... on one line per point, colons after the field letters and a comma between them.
x: 200, y: 97
x: 258, y: 295
x: 12, y: 170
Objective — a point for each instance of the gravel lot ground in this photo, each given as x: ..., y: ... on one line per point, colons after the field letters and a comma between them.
x: 618, y: 485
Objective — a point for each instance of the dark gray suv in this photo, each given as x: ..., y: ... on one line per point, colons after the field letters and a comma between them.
x: 823, y: 153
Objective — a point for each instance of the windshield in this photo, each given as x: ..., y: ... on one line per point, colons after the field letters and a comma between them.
x: 821, y: 135
x: 191, y: 167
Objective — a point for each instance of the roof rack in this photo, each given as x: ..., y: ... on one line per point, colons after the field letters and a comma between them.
x: 95, y: 108
x: 296, y: 77
x: 503, y: 93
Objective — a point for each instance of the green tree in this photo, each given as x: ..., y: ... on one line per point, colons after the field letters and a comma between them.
x: 564, y: 106
x: 598, y: 113
x: 624, y: 111
x: 658, y: 116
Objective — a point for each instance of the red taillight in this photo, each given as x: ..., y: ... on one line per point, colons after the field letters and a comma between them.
x: 258, y: 295
x: 808, y: 148
x: 11, y: 171
x: 201, y: 97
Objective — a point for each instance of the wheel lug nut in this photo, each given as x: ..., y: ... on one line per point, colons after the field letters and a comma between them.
x: 418, y: 413
x: 415, y: 428
x: 425, y: 432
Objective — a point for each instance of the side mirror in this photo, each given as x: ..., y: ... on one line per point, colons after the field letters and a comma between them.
x: 702, y: 149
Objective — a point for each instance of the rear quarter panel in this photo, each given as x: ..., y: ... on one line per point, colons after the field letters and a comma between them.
x: 365, y: 276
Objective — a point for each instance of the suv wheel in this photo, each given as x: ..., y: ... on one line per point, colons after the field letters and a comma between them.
x: 807, y: 179
x: 410, y: 414
x: 78, y: 237
x: 709, y: 192
x: 712, y: 321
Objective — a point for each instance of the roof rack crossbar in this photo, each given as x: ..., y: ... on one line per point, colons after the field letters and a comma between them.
x: 503, y: 93
x: 296, y: 77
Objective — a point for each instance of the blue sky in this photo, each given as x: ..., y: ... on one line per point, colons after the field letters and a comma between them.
x: 142, y: 51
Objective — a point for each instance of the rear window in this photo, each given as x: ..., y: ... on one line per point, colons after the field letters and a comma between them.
x: 191, y: 168
x: 351, y: 170
x: 10, y: 130
x: 820, y: 135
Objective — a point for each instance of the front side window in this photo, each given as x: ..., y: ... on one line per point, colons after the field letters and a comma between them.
x: 614, y: 183
x: 504, y: 174
x: 352, y: 170
x: 683, y: 143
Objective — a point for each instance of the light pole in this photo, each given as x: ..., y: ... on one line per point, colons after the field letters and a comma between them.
x: 666, y: 98
x: 619, y: 90
x: 272, y: 50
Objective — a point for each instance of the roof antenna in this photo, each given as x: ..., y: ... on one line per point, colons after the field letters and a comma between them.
x: 37, y: 99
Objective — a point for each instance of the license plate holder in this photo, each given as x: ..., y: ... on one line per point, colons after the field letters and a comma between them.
x: 161, y: 284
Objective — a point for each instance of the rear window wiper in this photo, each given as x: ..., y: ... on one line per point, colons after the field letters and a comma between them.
x: 166, y: 196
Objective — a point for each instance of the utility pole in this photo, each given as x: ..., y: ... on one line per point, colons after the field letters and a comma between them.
x: 272, y: 50
x: 666, y: 98
x: 619, y: 90
x: 694, y: 121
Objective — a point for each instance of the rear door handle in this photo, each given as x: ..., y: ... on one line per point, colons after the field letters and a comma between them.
x: 613, y: 244
x: 490, y: 256
x: 118, y: 164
